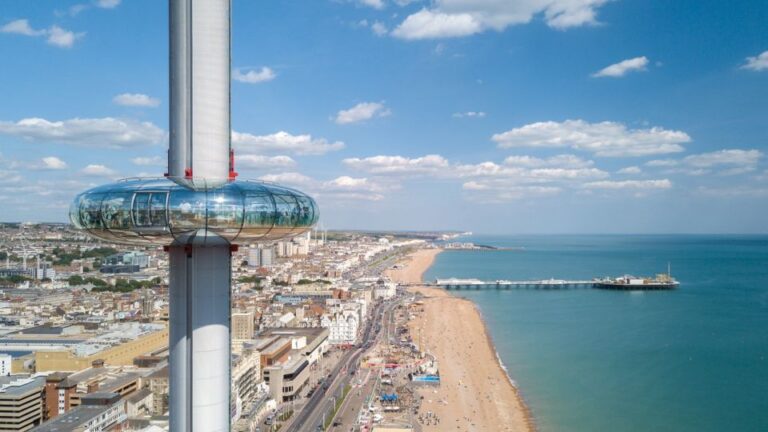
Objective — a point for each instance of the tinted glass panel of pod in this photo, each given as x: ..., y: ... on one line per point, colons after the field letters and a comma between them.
x: 159, y: 212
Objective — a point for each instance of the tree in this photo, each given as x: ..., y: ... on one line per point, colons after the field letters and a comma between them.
x: 15, y: 279
x: 75, y: 280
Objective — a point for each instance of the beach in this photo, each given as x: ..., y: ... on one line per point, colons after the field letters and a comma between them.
x: 475, y: 392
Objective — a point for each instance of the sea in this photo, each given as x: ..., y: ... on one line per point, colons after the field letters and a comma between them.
x: 690, y: 359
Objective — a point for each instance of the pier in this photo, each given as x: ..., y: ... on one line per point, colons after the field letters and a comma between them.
x: 455, y: 284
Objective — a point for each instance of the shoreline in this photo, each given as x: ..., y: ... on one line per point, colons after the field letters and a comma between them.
x: 469, y: 372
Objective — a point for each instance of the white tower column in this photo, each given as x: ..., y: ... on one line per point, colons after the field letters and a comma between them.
x: 200, y: 266
x: 200, y: 337
x: 198, y: 153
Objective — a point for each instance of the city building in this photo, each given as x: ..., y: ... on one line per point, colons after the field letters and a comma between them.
x: 246, y: 374
x: 140, y: 403
x: 261, y: 256
x: 21, y: 407
x: 343, y: 326
x: 272, y: 349
x: 44, y: 270
x: 242, y: 325
x: 98, y: 412
x: 312, y: 343
x: 118, y: 347
x: 286, y: 379
x: 64, y: 392
x: 158, y: 385
x: 140, y: 259
x: 6, y: 362
x: 384, y: 290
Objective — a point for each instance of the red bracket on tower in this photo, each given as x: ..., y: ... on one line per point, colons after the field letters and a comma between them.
x: 188, y: 173
x: 232, y: 172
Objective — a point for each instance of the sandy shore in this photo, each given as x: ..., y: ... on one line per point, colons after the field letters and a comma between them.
x: 475, y: 394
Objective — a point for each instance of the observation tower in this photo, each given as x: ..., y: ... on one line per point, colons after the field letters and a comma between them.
x: 198, y: 213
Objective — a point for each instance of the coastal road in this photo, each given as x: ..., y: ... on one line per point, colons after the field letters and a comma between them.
x: 348, y: 412
x: 322, y: 401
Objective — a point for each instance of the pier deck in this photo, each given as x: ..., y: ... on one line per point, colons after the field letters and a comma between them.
x: 477, y: 284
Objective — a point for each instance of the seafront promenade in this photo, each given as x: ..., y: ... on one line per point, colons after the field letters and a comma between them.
x: 475, y: 392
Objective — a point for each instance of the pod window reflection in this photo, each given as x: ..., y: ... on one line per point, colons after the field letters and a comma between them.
x: 159, y: 212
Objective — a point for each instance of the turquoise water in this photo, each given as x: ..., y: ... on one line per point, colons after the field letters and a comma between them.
x: 693, y: 359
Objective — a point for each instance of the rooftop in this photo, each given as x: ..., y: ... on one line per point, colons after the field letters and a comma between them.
x: 72, y: 420
x: 19, y: 385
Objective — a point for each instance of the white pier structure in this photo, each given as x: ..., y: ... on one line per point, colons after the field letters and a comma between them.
x: 457, y: 284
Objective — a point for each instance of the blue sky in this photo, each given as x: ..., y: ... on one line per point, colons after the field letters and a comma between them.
x: 497, y: 116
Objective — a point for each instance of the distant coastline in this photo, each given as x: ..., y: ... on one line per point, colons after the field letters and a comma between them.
x: 474, y: 246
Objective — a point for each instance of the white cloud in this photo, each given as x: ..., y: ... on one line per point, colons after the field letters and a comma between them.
x: 344, y: 187
x: 376, y: 4
x: 94, y: 132
x: 8, y: 177
x: 622, y: 68
x: 254, y: 76
x: 502, y: 193
x: 135, y: 100
x: 283, y: 142
x: 562, y: 160
x: 21, y: 27
x: 97, y: 170
x: 469, y: 114
x: 757, y: 63
x: 428, y: 24
x: 56, y: 35
x: 62, y: 38
x: 630, y: 170
x: 517, y: 174
x: 53, y: 163
x: 264, y: 162
x: 107, y: 4
x: 362, y: 111
x: 662, y: 163
x: 516, y: 169
x: 379, y: 29
x: 458, y: 18
x: 731, y: 161
x: 734, y: 191
x: 608, y: 139
x: 101, y: 4
x: 289, y: 178
x: 398, y: 165
x: 148, y: 161
x: 630, y: 184
x: 724, y: 157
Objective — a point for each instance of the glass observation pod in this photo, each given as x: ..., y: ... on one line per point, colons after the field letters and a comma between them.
x: 159, y: 211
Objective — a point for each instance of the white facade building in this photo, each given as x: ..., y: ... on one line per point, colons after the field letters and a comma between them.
x: 385, y: 290
x: 343, y: 326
